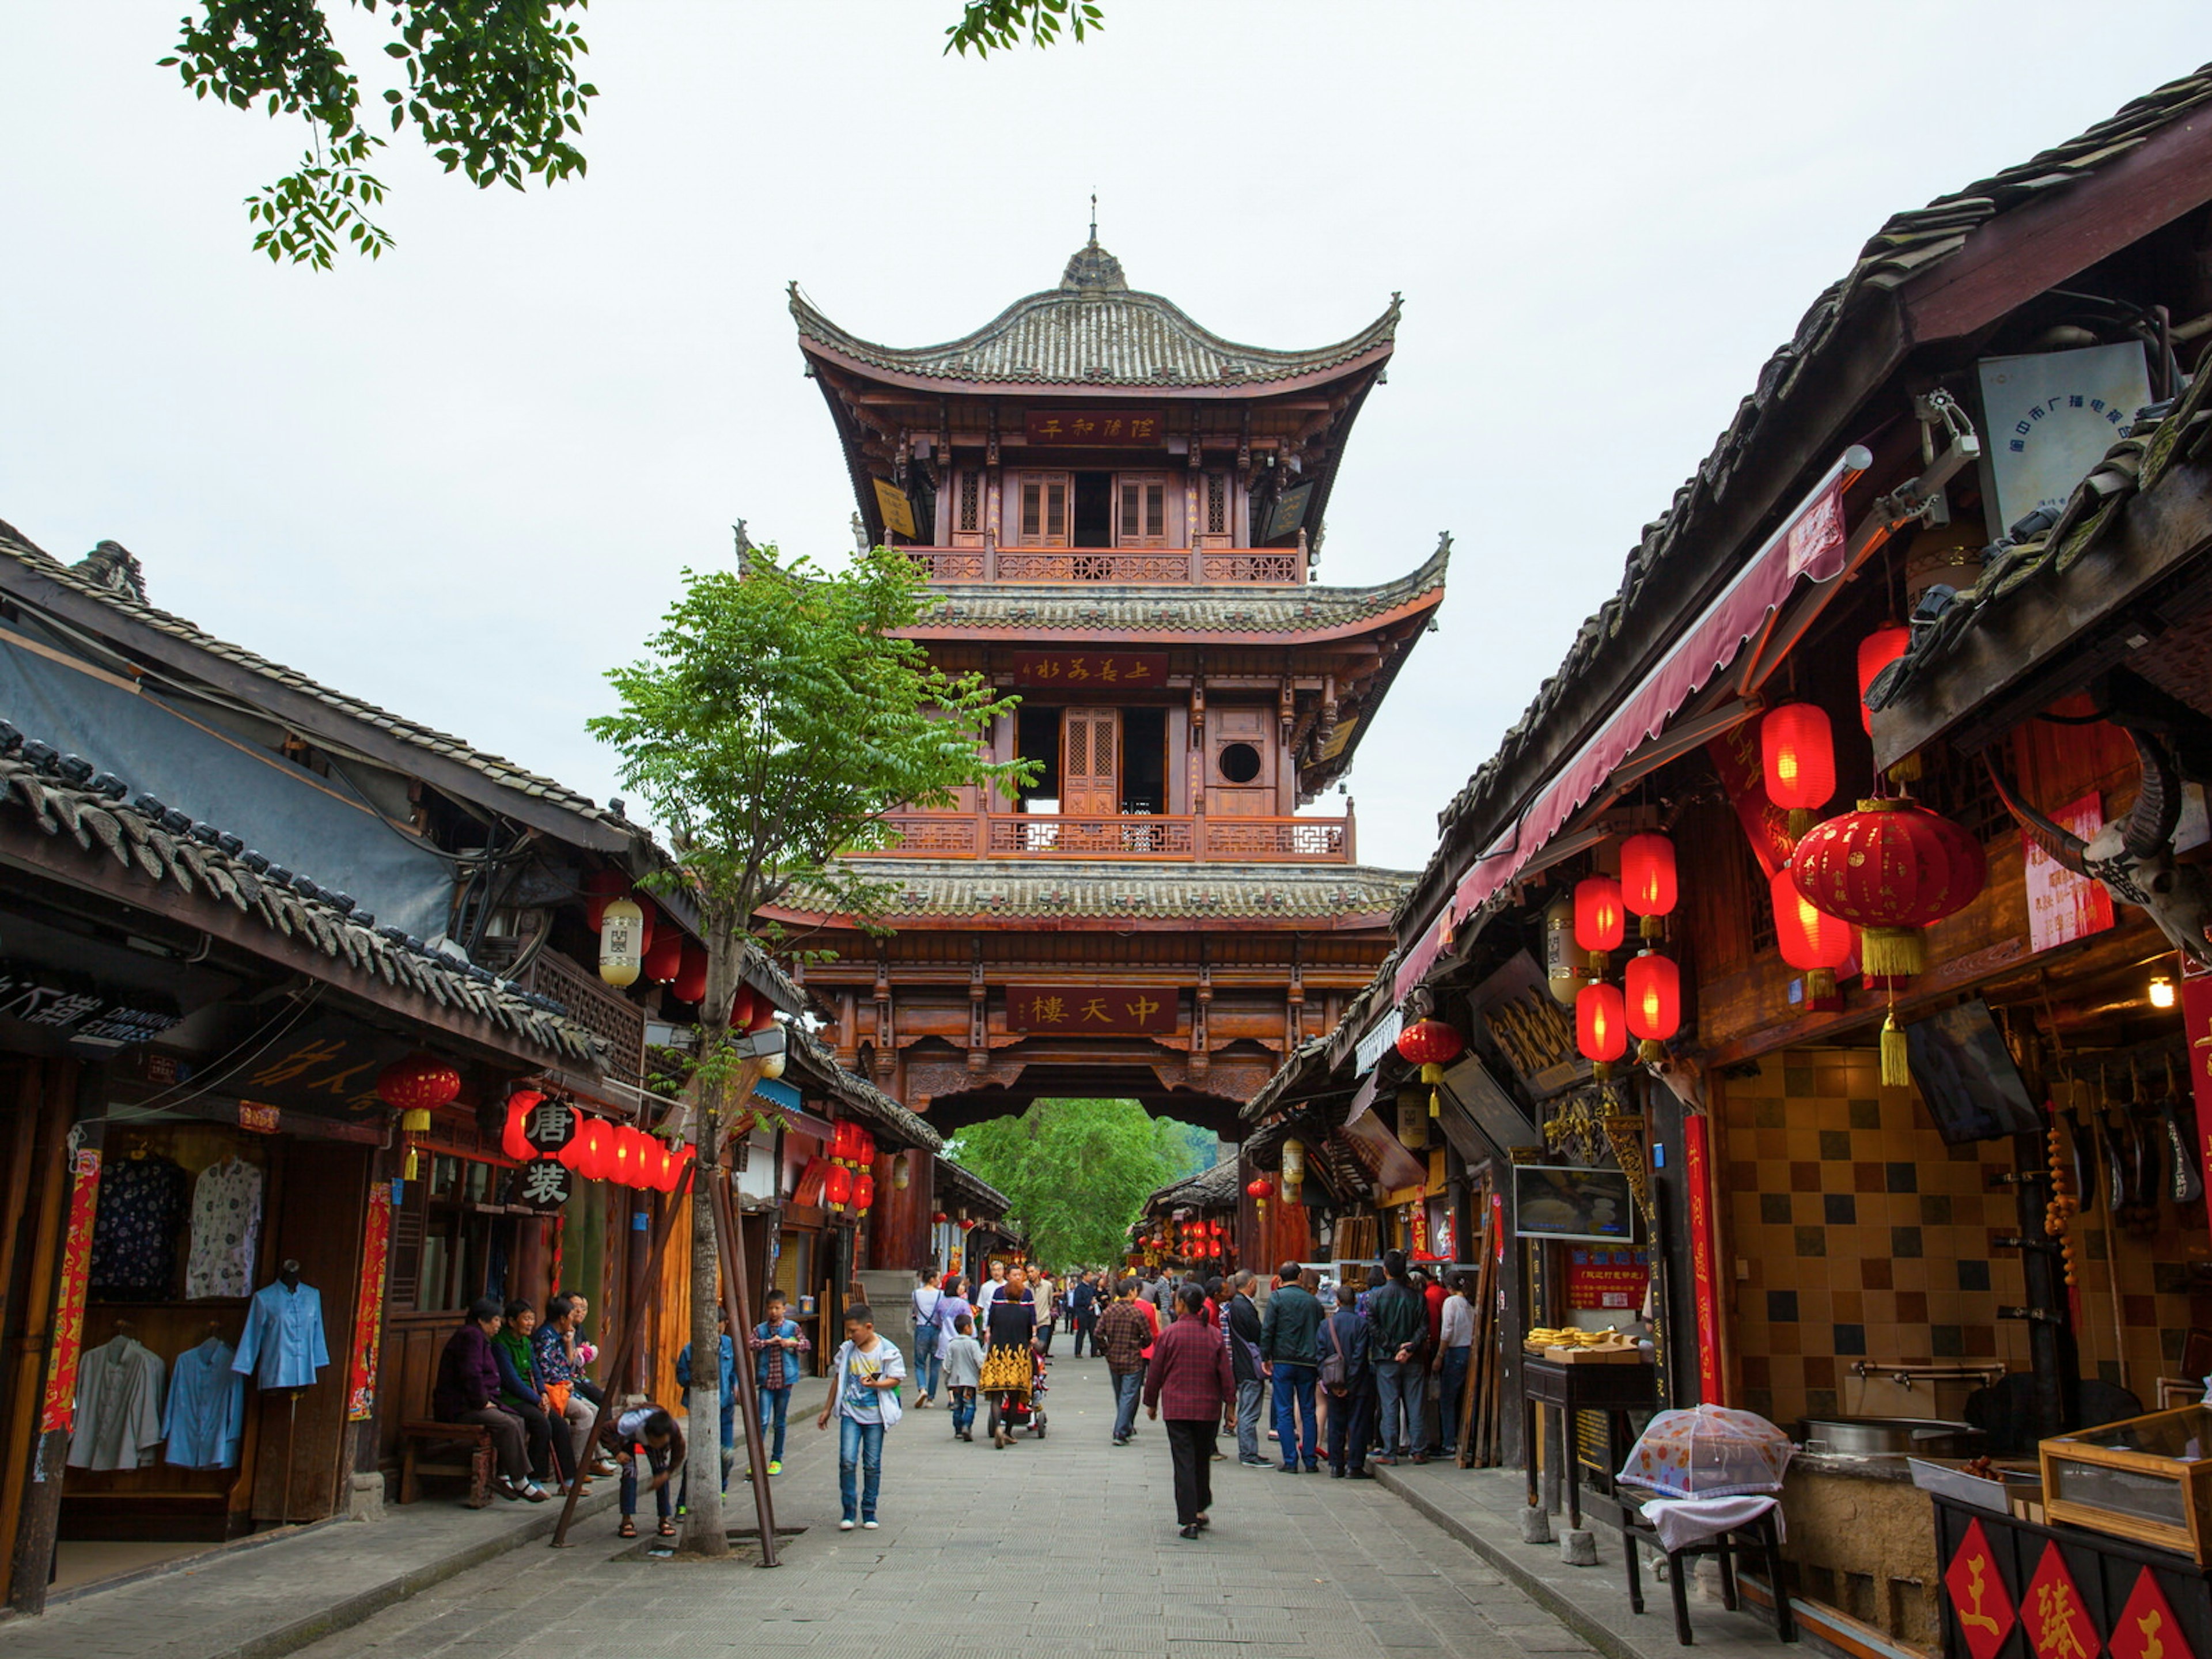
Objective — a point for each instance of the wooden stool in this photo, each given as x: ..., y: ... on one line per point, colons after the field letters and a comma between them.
x: 419, y: 1432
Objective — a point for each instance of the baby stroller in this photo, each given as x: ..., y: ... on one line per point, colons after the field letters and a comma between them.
x: 1014, y: 1389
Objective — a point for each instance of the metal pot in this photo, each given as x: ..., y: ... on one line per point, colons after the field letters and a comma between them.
x: 1878, y: 1437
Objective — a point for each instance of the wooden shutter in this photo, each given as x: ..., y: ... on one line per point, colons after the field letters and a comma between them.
x: 1142, y: 511
x: 1044, y: 510
x: 1090, y: 756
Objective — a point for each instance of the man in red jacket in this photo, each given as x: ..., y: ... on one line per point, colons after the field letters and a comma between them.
x: 1190, y: 1375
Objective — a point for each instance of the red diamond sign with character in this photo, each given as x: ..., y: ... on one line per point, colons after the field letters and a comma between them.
x: 2058, y: 1625
x: 1978, y: 1600
x: 2146, y: 1628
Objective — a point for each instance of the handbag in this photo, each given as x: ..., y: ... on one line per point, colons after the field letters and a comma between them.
x: 1333, y: 1371
x: 557, y: 1398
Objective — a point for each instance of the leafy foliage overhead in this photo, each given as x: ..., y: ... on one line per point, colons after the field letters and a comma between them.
x: 1077, y: 1171
x: 491, y: 86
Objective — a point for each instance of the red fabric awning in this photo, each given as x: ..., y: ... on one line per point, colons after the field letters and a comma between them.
x: 1810, y: 545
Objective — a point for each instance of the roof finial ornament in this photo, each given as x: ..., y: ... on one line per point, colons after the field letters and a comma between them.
x: 1094, y: 218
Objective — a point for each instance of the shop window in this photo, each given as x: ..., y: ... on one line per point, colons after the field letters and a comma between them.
x: 448, y: 1246
x: 1044, y: 508
x: 1143, y: 518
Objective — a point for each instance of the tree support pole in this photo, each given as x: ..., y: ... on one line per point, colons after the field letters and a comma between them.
x: 633, y: 1331
x: 736, y: 1296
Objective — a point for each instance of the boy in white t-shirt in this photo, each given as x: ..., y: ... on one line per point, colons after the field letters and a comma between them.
x: 863, y: 1399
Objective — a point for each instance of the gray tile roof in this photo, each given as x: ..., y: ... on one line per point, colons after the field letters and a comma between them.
x: 111, y: 577
x: 997, y: 891
x: 1214, y: 1188
x: 972, y: 1189
x: 1653, y: 581
x: 1096, y: 331
x: 817, y: 1062
x: 198, y: 861
x: 1266, y: 613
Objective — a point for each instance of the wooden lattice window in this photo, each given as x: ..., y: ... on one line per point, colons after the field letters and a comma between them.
x: 967, y: 503
x: 1142, y: 517
x: 1044, y: 508
x: 1217, y: 504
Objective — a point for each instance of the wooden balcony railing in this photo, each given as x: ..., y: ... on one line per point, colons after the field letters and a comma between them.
x: 1241, y: 567
x: 1142, y: 837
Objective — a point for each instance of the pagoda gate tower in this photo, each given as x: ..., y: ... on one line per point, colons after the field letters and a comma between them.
x: 1120, y: 512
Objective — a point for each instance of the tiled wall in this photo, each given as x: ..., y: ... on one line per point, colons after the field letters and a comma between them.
x: 1860, y: 1236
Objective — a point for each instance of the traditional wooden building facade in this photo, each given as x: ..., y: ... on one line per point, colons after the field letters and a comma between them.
x: 1120, y: 513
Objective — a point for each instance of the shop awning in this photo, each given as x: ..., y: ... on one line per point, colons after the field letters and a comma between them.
x: 1810, y: 546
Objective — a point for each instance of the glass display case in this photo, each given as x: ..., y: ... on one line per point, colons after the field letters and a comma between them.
x: 2146, y: 1478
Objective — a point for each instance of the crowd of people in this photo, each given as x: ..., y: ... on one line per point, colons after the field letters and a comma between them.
x: 1343, y: 1374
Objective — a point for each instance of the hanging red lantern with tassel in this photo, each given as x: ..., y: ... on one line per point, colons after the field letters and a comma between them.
x: 1432, y: 1045
x: 416, y: 1087
x: 1260, y: 1189
x: 1811, y: 940
x: 512, y: 1139
x: 938, y: 1218
x: 863, y: 1191
x: 1601, y: 1027
x: 1601, y: 919
x: 1797, y: 756
x: 1893, y: 868
x: 1648, y: 883
x: 837, y: 1186
x: 1654, y: 1003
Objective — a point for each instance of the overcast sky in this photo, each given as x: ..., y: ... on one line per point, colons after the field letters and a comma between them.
x: 461, y: 482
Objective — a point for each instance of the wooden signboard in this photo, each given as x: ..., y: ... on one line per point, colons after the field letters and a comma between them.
x: 898, y: 512
x: 1095, y: 1009
x: 1087, y: 670
x: 1092, y: 428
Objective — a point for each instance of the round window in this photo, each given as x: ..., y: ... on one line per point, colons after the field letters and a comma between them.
x: 1240, y: 763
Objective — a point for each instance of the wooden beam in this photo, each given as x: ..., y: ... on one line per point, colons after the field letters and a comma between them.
x: 2016, y: 256
x: 1997, y: 671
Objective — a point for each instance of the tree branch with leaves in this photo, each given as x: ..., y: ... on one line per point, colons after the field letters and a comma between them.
x: 775, y: 718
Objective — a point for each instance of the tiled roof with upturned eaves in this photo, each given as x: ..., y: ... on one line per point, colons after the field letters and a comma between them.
x: 1020, y: 890
x: 1217, y: 612
x: 1095, y: 331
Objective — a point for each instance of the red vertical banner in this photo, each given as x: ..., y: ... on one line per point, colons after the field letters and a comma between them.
x: 68, y: 1303
x: 368, y: 1307
x: 1705, y: 1278
x: 2196, y: 1021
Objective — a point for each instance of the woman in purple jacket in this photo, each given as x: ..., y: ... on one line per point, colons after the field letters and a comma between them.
x: 467, y: 1391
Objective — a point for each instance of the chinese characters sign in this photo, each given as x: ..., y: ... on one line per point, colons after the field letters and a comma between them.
x: 368, y: 1308
x: 2058, y: 1625
x: 2052, y: 415
x: 1601, y: 1278
x: 2146, y: 1629
x: 1088, y: 669
x: 68, y: 1302
x: 1092, y: 427
x: 1979, y: 1601
x: 1090, y: 1009
x: 898, y: 512
x: 71, y: 1003
x: 2063, y: 907
x: 1704, y: 1282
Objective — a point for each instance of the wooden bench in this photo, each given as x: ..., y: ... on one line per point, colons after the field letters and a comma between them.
x: 417, y: 1434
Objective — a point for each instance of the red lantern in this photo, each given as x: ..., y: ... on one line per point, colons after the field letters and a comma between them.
x: 1893, y: 868
x: 512, y: 1140
x: 601, y: 888
x: 599, y: 1152
x: 577, y: 1152
x: 864, y: 1190
x: 967, y: 1223
x: 691, y: 981
x: 1601, y: 919
x: 1654, y: 1002
x: 1429, y: 1042
x: 622, y: 1155
x: 1600, y: 1025
x: 664, y: 956
x: 671, y: 1169
x: 1798, y: 754
x: 1647, y: 879
x: 420, y: 1083
x: 938, y: 1218
x: 838, y: 1185
x: 1812, y: 941
x: 1876, y: 652
x: 741, y: 1009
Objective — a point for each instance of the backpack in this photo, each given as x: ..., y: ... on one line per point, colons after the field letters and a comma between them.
x: 1334, y: 1373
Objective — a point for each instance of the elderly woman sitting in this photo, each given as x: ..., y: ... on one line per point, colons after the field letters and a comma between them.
x: 468, y: 1389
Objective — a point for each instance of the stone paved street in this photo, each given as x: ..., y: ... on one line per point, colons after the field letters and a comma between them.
x: 1062, y: 1547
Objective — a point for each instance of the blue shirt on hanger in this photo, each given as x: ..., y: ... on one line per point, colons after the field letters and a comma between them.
x: 206, y: 1415
x: 283, y: 1346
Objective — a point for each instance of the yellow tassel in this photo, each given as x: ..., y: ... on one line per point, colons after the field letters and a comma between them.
x: 1650, y: 926
x: 1906, y: 770
x: 1435, y: 1108
x: 1597, y: 965
x: 1600, y: 1071
x: 1892, y: 952
x: 1650, y: 1051
x: 1819, y: 984
x: 1896, y: 1067
x: 1800, y: 822
x: 409, y: 1173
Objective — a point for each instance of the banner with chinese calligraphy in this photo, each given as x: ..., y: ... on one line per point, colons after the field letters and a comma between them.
x: 1092, y: 1009
x: 1736, y: 757
x: 2063, y: 907
x: 1086, y: 669
x: 1704, y: 1283
x: 1116, y: 428
x: 368, y: 1308
x: 69, y: 1304
x: 2146, y: 1628
x: 1978, y: 1600
x: 2058, y: 1625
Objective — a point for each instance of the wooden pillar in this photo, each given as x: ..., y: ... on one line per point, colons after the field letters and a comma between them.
x: 898, y: 1224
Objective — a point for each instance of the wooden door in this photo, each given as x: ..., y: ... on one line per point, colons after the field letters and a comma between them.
x: 1090, y: 762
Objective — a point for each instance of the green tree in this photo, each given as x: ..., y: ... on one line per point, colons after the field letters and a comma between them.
x: 490, y: 85
x: 1077, y: 1172
x: 773, y: 722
